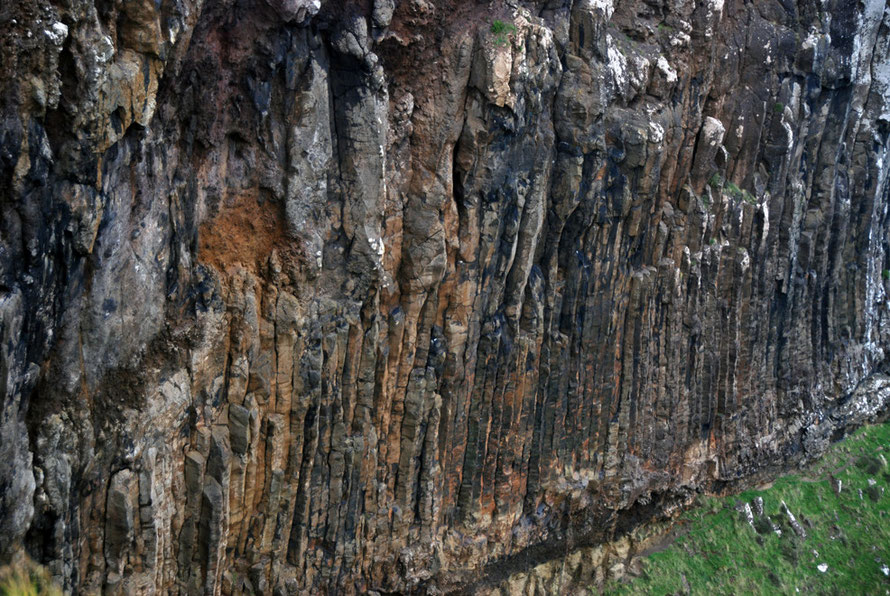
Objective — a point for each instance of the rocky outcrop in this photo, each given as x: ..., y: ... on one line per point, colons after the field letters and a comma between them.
x: 413, y: 296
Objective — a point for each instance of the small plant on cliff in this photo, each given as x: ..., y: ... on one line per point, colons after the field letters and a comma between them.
x: 706, y: 200
x: 739, y: 194
x: 501, y: 31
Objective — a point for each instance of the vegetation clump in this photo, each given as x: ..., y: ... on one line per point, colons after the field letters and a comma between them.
x: 717, y: 182
x: 501, y: 31
x: 740, y: 194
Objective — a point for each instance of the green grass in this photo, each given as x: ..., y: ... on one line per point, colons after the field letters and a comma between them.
x: 718, y: 552
x: 26, y: 578
x: 718, y: 183
x: 739, y: 194
x: 501, y: 30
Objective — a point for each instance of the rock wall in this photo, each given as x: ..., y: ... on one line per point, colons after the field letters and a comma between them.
x: 302, y: 296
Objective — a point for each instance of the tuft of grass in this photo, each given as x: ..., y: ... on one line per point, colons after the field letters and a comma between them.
x: 718, y: 183
x: 721, y: 553
x: 779, y: 107
x: 501, y: 30
x: 885, y: 273
x: 706, y: 200
x: 26, y: 579
x: 739, y: 194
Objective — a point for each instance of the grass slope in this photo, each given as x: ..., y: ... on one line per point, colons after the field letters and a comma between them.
x: 720, y: 552
x: 26, y: 578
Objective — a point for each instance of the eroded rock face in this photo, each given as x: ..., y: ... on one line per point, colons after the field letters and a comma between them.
x: 301, y: 296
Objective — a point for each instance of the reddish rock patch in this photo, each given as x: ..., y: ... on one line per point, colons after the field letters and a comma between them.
x: 244, y: 232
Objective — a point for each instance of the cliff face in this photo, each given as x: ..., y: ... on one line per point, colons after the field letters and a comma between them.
x: 301, y: 296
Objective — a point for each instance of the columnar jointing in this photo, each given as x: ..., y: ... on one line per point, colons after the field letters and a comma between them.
x: 347, y: 296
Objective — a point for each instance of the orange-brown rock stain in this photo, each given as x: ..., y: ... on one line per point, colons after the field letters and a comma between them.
x: 244, y: 232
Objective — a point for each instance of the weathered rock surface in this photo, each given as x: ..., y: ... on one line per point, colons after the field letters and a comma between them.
x: 302, y: 296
